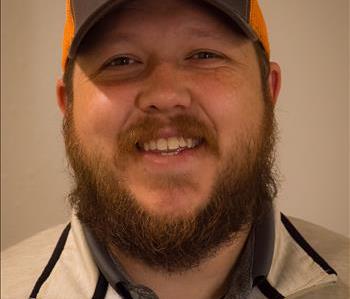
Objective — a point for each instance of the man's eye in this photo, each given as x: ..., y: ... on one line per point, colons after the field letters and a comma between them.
x: 205, y: 55
x: 120, y: 61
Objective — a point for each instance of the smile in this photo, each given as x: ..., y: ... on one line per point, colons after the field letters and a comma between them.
x: 169, y: 146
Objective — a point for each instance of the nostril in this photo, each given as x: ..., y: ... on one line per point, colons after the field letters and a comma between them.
x: 160, y: 97
x: 153, y: 107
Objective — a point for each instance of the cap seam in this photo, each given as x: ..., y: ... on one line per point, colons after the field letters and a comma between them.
x: 247, y: 8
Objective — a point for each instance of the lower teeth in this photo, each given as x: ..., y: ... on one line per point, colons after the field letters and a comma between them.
x: 170, y: 154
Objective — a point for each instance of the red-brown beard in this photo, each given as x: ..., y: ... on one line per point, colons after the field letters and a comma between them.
x: 243, y: 192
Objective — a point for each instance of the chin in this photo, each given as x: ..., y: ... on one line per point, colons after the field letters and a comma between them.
x: 174, y: 204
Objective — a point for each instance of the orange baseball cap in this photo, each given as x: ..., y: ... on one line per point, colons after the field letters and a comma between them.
x: 82, y: 15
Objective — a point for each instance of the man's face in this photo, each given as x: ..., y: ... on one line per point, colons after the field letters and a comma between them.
x: 168, y: 110
x: 162, y: 61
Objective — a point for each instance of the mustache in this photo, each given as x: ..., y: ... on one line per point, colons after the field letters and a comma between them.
x: 149, y: 127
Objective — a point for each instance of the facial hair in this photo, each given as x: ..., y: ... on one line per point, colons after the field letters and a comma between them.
x: 242, y: 193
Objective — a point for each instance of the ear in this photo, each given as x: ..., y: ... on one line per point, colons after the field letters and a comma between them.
x: 61, y: 94
x: 274, y: 81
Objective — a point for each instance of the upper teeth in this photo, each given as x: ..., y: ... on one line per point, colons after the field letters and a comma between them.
x: 170, y: 144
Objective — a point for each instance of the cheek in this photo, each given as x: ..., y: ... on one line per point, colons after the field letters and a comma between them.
x: 99, y: 114
x: 233, y: 104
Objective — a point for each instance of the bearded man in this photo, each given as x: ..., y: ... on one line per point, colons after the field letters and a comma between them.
x: 169, y: 130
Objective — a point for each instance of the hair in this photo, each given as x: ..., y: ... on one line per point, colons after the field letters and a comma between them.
x: 68, y: 80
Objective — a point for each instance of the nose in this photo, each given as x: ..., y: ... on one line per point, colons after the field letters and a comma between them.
x: 164, y: 90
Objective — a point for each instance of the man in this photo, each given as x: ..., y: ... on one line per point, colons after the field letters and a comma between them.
x: 169, y: 129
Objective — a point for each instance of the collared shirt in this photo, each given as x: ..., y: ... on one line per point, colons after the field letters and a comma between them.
x: 253, y: 264
x: 71, y: 270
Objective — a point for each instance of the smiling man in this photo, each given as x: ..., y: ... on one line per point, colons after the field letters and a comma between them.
x: 169, y: 128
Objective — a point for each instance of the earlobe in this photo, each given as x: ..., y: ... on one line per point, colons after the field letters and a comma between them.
x: 61, y: 96
x: 274, y: 81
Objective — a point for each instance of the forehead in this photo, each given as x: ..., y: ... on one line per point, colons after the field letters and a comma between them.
x: 195, y: 17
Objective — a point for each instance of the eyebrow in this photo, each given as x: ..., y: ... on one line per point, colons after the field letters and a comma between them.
x: 190, y: 32
x: 202, y: 33
x: 130, y: 37
x: 199, y: 32
x: 123, y: 37
x: 110, y: 37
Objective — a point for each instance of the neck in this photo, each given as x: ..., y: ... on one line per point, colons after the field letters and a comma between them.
x: 210, y: 280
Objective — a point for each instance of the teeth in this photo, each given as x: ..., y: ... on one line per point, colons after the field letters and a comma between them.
x: 170, y: 144
x: 152, y: 145
x: 162, y: 144
x: 182, y: 142
x: 189, y: 142
x: 173, y: 143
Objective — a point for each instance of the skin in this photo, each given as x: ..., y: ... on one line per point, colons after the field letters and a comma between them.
x: 180, y: 60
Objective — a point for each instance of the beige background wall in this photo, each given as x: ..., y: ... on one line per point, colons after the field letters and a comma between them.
x: 310, y: 39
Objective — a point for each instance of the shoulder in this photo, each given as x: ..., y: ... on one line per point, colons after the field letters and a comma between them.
x: 334, y: 249
x: 22, y: 264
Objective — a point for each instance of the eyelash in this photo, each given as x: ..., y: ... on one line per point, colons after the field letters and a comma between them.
x: 113, y: 62
x: 120, y: 60
x: 212, y: 55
